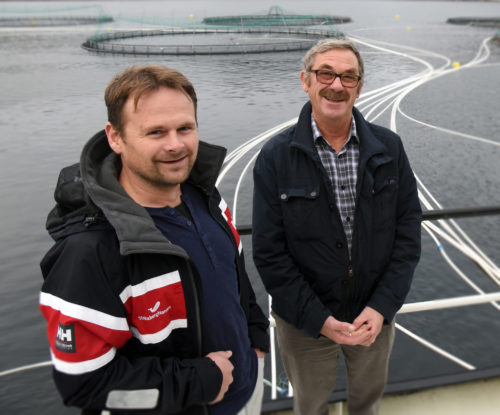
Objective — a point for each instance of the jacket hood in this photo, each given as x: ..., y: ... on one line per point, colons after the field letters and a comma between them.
x: 89, y: 193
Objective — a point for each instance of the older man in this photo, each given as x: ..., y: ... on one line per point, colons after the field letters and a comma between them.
x: 336, y: 235
x: 148, y: 304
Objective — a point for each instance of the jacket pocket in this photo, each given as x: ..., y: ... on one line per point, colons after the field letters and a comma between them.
x: 301, y: 211
x: 385, y: 194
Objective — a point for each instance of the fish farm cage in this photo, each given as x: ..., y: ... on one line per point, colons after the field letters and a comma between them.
x: 48, y: 21
x: 21, y: 15
x: 220, y: 41
x: 275, y: 17
x: 476, y: 21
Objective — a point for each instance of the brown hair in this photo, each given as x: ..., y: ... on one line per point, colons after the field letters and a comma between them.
x: 328, y: 44
x: 137, y: 81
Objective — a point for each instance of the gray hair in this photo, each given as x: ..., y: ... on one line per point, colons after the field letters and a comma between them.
x: 325, y: 45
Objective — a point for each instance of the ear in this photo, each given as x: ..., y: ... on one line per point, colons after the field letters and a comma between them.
x: 114, y: 138
x: 305, y: 81
x: 360, y: 87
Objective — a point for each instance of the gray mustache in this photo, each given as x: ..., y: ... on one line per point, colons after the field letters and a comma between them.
x: 332, y: 95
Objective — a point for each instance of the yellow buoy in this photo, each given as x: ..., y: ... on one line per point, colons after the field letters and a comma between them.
x: 397, y: 16
x: 191, y: 15
x: 455, y: 64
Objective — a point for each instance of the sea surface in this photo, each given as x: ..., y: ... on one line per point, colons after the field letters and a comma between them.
x: 51, y: 103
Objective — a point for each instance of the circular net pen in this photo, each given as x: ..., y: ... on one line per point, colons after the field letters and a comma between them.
x: 207, y: 41
x: 33, y: 15
x: 48, y: 21
x: 475, y: 21
x: 279, y: 20
x: 276, y: 17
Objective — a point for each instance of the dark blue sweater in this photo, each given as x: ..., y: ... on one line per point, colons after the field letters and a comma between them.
x: 224, y: 323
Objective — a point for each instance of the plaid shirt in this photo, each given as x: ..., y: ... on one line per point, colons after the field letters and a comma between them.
x: 342, y: 169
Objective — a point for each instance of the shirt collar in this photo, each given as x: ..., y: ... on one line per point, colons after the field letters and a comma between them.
x: 317, y: 133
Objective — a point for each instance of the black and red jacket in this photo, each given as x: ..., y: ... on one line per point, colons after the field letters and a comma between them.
x: 122, y: 303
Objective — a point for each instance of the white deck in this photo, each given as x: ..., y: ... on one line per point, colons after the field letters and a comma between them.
x: 480, y: 397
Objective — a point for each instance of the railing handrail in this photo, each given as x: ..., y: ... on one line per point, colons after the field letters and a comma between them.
x: 440, y: 304
x: 460, y: 212
x: 434, y: 214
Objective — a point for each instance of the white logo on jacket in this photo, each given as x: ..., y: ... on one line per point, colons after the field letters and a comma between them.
x: 157, y: 305
x: 155, y: 315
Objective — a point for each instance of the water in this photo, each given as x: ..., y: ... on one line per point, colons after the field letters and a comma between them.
x: 52, y: 101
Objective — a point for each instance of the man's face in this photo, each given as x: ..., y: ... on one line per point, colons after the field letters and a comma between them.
x: 332, y: 103
x: 159, y: 143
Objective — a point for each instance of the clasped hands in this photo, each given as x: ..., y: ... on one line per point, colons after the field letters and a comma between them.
x: 363, y: 330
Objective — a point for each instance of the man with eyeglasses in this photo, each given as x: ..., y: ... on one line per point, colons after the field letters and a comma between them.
x: 336, y: 236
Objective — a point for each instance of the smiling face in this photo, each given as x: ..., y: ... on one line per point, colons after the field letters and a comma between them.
x: 158, y: 146
x: 332, y: 104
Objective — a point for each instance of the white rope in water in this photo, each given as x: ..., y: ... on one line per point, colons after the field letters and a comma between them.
x: 25, y: 367
x: 435, y: 348
x: 451, y: 132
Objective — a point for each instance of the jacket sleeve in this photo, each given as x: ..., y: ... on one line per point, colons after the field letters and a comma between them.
x: 292, y: 297
x: 88, y: 331
x: 391, y: 291
x: 258, y: 323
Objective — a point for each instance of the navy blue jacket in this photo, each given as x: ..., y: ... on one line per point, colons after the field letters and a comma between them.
x: 299, y: 245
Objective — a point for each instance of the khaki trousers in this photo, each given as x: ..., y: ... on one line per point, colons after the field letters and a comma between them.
x: 311, y: 366
x: 254, y: 405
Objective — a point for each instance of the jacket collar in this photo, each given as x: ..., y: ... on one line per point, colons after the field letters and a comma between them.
x: 100, y: 168
x: 207, y: 166
x: 371, y: 148
x: 303, y: 135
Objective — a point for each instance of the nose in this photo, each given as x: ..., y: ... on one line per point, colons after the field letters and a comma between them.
x: 336, y: 84
x: 173, y: 142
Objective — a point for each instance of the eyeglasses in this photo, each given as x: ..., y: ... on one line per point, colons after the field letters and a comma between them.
x: 327, y: 77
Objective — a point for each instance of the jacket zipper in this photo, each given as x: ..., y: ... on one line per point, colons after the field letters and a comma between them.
x: 198, y: 318
x: 197, y: 310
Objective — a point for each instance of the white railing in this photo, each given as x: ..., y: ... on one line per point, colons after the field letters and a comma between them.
x: 406, y: 308
x: 450, y: 303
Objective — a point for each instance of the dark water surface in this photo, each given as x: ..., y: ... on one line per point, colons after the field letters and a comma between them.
x: 51, y: 102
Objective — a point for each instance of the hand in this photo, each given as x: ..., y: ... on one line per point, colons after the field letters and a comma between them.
x: 343, y: 333
x: 369, y: 322
x: 221, y: 359
x: 260, y: 353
